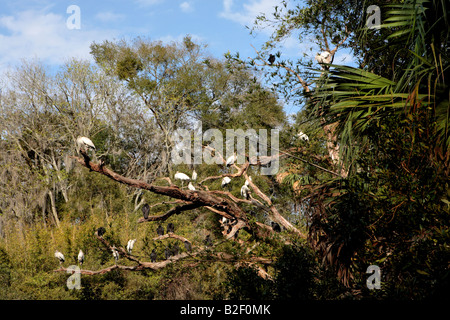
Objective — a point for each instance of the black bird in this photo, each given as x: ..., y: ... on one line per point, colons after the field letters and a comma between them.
x: 153, y: 256
x: 188, y: 246
x: 167, y: 253
x: 160, y: 230
x: 170, y: 228
x: 275, y: 226
x: 208, y: 241
x: 145, y: 210
x: 271, y: 59
x: 101, y: 231
x: 176, y: 249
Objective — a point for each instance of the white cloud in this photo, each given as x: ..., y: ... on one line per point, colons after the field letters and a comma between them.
x: 186, y: 7
x: 249, y: 11
x: 109, y: 16
x: 45, y: 35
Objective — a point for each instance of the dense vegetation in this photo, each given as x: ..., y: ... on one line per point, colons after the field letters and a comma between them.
x: 369, y: 187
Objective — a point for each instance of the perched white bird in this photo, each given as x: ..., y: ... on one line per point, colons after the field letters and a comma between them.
x: 247, y: 182
x: 115, y: 254
x: 231, y: 159
x: 245, y: 192
x: 303, y: 136
x: 324, y: 57
x: 60, y: 256
x: 80, y: 257
x: 182, y: 176
x: 224, y: 220
x: 191, y: 186
x: 194, y: 175
x: 85, y: 143
x: 130, y: 245
x: 225, y: 181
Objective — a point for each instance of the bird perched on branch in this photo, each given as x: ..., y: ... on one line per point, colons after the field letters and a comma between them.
x: 80, y: 257
x: 145, y: 210
x: 160, y: 230
x: 115, y: 254
x: 191, y: 186
x: 231, y: 159
x: 130, y: 245
x: 85, y: 143
x: 245, y: 191
x: 303, y: 136
x: 271, y: 59
x: 194, y: 175
x: 153, y: 256
x: 225, y: 181
x: 60, y: 257
x: 181, y: 176
x: 170, y: 228
x: 324, y: 57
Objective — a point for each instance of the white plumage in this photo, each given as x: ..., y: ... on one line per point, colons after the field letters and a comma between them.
x: 130, y: 245
x: 194, y: 175
x: 115, y: 253
x: 248, y: 181
x: 303, y: 136
x: 225, y: 181
x: 182, y: 176
x: 86, y: 143
x: 191, y: 186
x: 60, y: 256
x: 245, y: 191
x: 231, y: 159
x: 80, y: 257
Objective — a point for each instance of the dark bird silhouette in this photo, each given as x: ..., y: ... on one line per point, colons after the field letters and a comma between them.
x: 160, y: 230
x: 188, y: 246
x: 153, y: 256
x: 170, y: 228
x: 176, y: 250
x: 101, y: 231
x: 275, y: 226
x: 208, y: 241
x: 146, y: 210
x: 167, y: 253
x: 271, y: 59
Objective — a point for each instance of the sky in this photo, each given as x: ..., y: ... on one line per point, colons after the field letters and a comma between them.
x: 47, y: 30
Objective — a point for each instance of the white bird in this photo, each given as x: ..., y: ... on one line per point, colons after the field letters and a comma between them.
x: 182, y: 176
x: 115, y: 254
x: 86, y: 143
x: 60, y: 256
x: 303, y: 136
x: 231, y: 159
x: 248, y: 181
x: 194, y: 175
x: 324, y: 57
x: 225, y: 181
x: 80, y: 257
x: 245, y: 192
x: 130, y: 245
x: 191, y: 186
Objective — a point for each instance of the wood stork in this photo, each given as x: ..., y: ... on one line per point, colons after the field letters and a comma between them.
x: 170, y: 228
x: 153, y: 256
x: 60, y: 256
x: 160, y: 230
x: 231, y: 159
x: 303, y: 136
x: 115, y: 254
x: 187, y: 246
x: 80, y: 257
x: 85, y: 143
x: 130, y: 245
x: 182, y: 176
x: 271, y: 59
x: 194, y: 175
x: 225, y: 181
x: 191, y: 186
x: 145, y: 210
x: 245, y: 191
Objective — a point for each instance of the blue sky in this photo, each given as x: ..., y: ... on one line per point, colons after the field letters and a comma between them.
x: 38, y: 28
